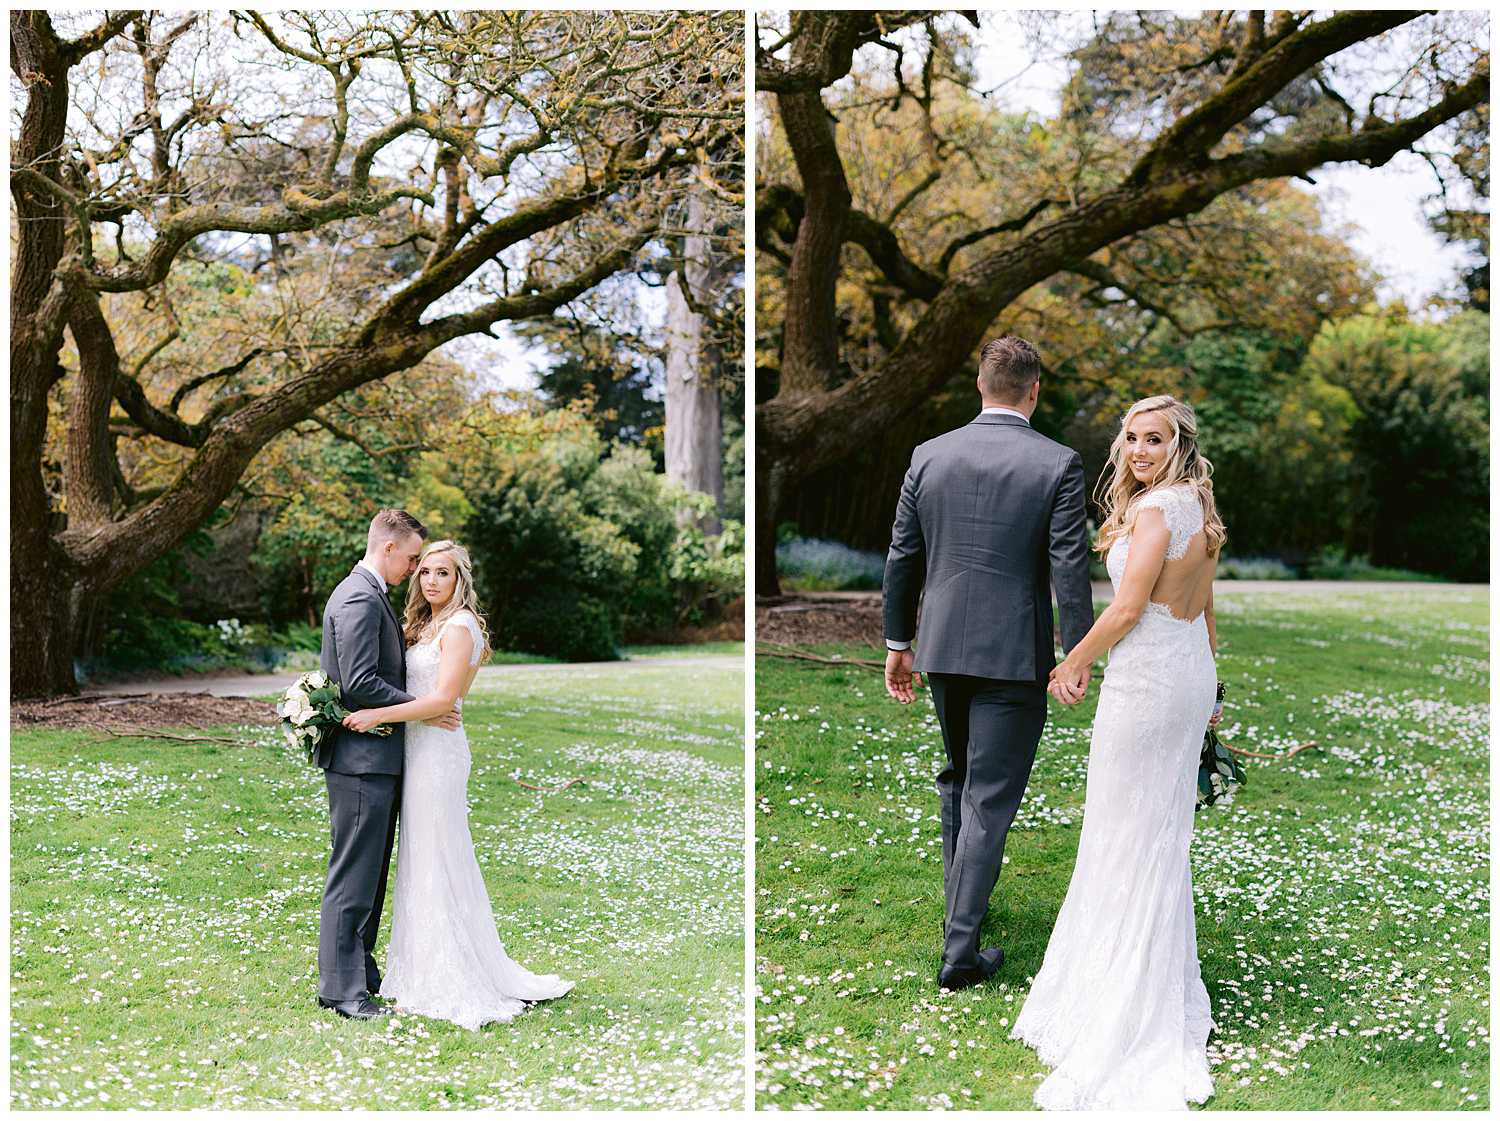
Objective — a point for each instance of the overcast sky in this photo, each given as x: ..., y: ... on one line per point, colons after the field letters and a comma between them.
x: 1383, y: 205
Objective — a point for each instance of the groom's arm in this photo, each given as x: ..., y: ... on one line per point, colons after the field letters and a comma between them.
x: 1068, y: 552
x: 356, y: 630
x: 905, y: 567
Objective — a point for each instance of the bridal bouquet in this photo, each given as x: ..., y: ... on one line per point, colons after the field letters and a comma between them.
x: 1219, y: 772
x: 310, y: 711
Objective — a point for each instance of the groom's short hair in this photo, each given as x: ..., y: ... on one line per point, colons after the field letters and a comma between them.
x: 1007, y: 368
x: 391, y: 524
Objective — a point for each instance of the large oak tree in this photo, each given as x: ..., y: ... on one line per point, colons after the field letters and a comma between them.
x: 1183, y: 111
x: 458, y: 170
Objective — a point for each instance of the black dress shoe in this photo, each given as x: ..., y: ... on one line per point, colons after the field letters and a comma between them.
x: 953, y: 979
x: 361, y: 1008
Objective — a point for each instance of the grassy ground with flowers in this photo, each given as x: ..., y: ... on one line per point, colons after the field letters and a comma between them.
x: 1342, y: 899
x: 165, y: 911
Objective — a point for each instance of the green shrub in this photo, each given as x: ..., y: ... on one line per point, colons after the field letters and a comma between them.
x: 1334, y: 564
x: 564, y: 623
x: 577, y: 546
x: 1253, y: 568
x: 813, y: 565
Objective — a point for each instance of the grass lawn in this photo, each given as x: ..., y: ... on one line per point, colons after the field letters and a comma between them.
x: 165, y: 912
x: 1342, y: 900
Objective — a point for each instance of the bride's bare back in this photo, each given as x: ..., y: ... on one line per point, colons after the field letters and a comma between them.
x: 1185, y: 585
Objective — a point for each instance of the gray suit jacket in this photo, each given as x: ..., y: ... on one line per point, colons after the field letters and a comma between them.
x: 363, y: 651
x: 989, y: 514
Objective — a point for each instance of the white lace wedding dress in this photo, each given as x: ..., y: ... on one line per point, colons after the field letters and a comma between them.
x: 1118, y: 1008
x: 445, y: 958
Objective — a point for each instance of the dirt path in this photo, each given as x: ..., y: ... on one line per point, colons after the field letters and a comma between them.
x: 804, y: 618
x: 260, y: 684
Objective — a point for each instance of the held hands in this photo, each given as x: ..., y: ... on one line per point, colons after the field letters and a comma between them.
x: 1068, y: 683
x: 361, y: 721
x: 900, y: 681
x: 450, y: 721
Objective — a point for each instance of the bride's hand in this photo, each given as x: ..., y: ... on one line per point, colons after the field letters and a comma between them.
x: 450, y: 721
x: 361, y: 721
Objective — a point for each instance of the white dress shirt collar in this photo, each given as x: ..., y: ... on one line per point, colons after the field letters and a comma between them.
x: 370, y: 568
x: 1003, y: 409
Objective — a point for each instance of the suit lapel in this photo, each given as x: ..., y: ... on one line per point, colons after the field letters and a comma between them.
x: 380, y: 589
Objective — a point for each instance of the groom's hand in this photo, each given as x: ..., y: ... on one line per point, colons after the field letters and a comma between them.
x: 1068, y: 685
x: 900, y: 681
x: 450, y: 721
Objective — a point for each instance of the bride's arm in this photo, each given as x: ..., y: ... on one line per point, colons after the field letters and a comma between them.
x: 454, y: 652
x: 1148, y: 552
x: 1208, y: 617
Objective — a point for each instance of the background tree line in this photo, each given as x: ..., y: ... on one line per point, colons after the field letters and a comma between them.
x: 1149, y: 239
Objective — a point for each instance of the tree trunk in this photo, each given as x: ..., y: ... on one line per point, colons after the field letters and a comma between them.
x: 50, y: 613
x: 695, y: 432
x: 767, y: 507
x: 43, y: 615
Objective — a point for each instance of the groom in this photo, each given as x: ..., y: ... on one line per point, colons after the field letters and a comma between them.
x: 988, y: 514
x: 364, y: 653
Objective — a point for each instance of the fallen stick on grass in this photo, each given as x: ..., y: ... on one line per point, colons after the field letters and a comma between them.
x: 169, y: 736
x: 782, y: 650
x: 1277, y: 758
x: 548, y: 789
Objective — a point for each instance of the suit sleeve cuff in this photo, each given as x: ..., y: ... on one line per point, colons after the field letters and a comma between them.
x: 892, y: 644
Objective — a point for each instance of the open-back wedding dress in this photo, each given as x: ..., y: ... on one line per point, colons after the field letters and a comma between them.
x: 445, y: 958
x: 1118, y: 1008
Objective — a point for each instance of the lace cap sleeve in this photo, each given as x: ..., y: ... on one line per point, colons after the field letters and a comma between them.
x: 1184, y: 515
x: 466, y: 621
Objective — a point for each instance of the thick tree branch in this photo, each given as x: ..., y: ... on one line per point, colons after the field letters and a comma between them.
x: 88, y: 43
x: 823, y: 48
x: 296, y: 212
x: 1189, y: 140
x: 443, y: 276
x: 783, y: 208
x: 89, y: 464
x: 1370, y: 146
x: 544, y: 301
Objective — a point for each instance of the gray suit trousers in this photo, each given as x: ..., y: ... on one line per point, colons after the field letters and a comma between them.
x: 990, y: 730
x: 362, y: 818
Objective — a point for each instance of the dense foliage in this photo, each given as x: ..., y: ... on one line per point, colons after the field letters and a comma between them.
x: 577, y: 545
x: 575, y: 539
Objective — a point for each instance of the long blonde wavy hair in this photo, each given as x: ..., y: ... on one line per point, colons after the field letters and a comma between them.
x: 1118, y: 489
x: 418, y: 612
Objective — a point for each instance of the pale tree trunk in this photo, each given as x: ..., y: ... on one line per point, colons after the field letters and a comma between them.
x: 695, y: 433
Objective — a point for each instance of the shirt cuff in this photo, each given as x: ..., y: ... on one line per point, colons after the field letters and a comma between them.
x: 892, y: 644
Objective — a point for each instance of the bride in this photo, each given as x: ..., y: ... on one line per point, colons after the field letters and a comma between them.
x: 445, y: 958
x: 1118, y: 1008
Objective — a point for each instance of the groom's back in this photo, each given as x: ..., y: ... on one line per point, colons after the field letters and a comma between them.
x: 980, y: 504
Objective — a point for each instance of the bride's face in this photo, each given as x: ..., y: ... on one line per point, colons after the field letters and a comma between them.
x: 438, y: 578
x: 1147, y: 438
